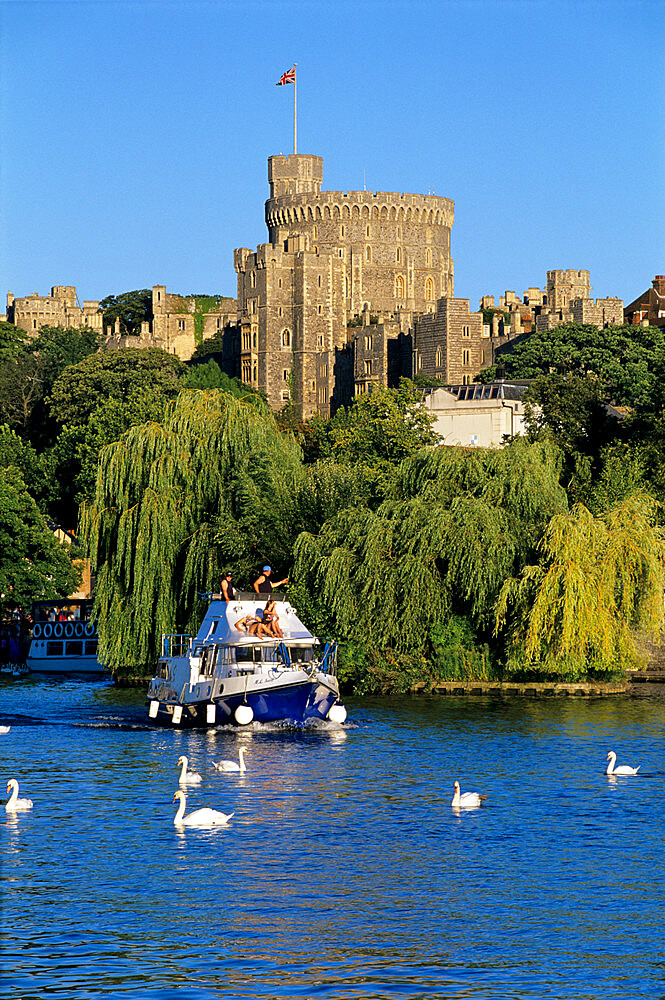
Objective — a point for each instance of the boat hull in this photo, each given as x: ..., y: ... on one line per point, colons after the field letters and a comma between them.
x: 292, y: 703
x: 63, y: 666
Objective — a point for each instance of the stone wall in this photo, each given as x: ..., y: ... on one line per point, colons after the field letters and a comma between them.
x: 60, y: 308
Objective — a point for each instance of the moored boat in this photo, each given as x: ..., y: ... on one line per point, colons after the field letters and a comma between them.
x: 64, y: 639
x: 224, y: 675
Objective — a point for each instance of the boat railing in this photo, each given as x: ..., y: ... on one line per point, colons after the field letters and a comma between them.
x: 176, y: 645
x: 329, y: 658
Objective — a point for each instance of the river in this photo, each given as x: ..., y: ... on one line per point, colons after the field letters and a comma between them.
x: 344, y: 872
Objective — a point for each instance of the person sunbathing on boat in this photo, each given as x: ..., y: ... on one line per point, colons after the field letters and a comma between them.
x: 270, y: 621
x: 251, y: 626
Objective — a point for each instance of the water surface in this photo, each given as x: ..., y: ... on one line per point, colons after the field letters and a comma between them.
x: 344, y: 872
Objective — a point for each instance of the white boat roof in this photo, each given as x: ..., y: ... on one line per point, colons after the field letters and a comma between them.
x: 218, y: 626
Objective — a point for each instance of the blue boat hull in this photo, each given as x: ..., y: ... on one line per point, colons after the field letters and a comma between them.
x: 294, y: 703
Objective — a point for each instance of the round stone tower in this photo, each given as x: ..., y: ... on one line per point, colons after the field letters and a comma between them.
x: 395, y: 247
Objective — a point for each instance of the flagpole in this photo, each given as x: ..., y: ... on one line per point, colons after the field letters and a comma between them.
x: 295, y: 109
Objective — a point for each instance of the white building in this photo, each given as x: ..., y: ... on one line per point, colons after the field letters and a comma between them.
x: 478, y: 416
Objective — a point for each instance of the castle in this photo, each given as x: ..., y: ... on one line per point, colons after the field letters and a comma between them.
x: 352, y: 291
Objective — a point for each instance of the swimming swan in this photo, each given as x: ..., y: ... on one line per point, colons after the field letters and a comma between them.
x: 468, y: 800
x: 187, y: 777
x: 14, y: 803
x: 200, y: 817
x: 4, y: 729
x: 622, y: 769
x: 230, y: 765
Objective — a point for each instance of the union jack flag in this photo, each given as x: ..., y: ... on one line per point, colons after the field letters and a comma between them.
x: 288, y: 77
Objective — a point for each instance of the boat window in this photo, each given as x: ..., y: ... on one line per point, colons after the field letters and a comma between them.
x: 91, y: 648
x: 54, y: 649
x: 197, y: 651
x: 74, y: 648
x: 248, y: 654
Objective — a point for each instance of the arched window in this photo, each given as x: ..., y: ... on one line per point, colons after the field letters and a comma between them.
x: 252, y: 279
x: 439, y: 357
x: 368, y: 253
x: 429, y: 289
x: 398, y: 255
x: 399, y: 287
x: 286, y: 338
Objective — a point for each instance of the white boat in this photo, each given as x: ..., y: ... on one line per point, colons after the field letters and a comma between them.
x: 223, y: 675
x: 64, y: 639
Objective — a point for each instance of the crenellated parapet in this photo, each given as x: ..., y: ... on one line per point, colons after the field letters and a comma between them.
x: 378, y: 207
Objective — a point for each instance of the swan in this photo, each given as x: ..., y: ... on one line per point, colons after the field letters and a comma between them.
x: 230, y: 765
x: 468, y: 800
x: 4, y: 729
x: 200, y: 817
x: 622, y: 769
x: 187, y: 777
x: 14, y: 803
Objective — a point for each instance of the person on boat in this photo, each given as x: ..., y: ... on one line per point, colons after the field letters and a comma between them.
x: 271, y: 620
x: 251, y: 626
x: 264, y: 585
x: 227, y: 588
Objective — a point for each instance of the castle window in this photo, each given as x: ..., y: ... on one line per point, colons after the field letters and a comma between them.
x: 286, y: 338
x: 245, y: 341
x: 398, y: 255
x: 252, y: 279
x: 285, y: 374
x: 324, y: 370
x: 466, y: 357
x: 255, y: 374
x: 316, y: 232
x: 399, y: 287
x: 367, y: 231
x: 368, y: 367
x: 320, y: 341
x: 280, y: 311
x: 246, y: 371
x: 368, y: 253
x: 439, y: 357
x: 368, y: 343
x: 316, y: 249
x: 313, y: 385
x: 466, y: 332
x: 428, y: 257
x: 285, y: 395
x: 181, y: 324
x: 253, y: 338
x: 279, y: 283
x: 341, y: 231
x: 466, y: 380
x: 319, y: 310
x: 319, y: 282
x: 429, y: 289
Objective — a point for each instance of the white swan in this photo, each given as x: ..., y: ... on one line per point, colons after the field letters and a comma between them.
x: 468, y: 800
x: 230, y: 765
x: 187, y: 777
x: 200, y: 817
x: 622, y: 769
x: 4, y: 729
x: 14, y: 803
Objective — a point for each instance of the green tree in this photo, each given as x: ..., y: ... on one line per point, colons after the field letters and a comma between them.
x: 131, y: 308
x: 120, y: 375
x: 598, y: 580
x: 623, y: 358
x: 33, y: 564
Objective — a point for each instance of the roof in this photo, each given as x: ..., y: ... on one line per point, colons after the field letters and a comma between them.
x: 502, y: 389
x: 220, y: 619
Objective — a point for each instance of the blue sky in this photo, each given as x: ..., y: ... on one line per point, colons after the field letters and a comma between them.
x: 135, y: 135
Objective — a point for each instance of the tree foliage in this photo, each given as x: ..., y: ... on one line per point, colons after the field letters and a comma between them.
x: 130, y: 308
x: 33, y: 564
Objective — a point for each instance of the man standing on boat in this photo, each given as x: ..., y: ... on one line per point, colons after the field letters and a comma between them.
x: 264, y: 585
x: 227, y: 588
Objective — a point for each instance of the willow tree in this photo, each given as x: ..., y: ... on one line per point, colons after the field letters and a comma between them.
x: 599, y: 579
x: 174, y: 502
x: 457, y: 525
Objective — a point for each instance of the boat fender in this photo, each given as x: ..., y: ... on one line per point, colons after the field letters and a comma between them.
x: 243, y: 715
x: 78, y: 629
x: 48, y: 630
x: 211, y: 712
x: 154, y: 708
x: 57, y: 629
x: 177, y: 715
x: 89, y: 629
x: 337, y: 713
x: 69, y: 630
x: 37, y: 630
